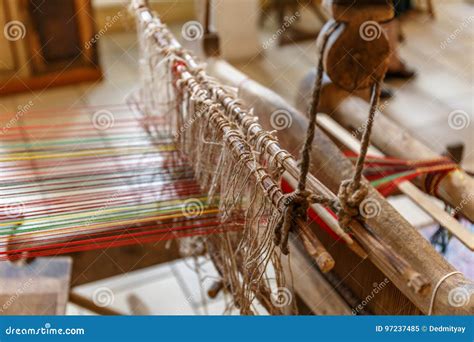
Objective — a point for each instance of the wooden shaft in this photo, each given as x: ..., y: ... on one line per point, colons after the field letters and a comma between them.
x: 137, y: 306
x: 420, y: 198
x: 327, y: 158
x: 207, y: 17
x: 215, y: 289
x: 211, y: 41
x: 328, y: 219
x: 456, y: 189
x: 88, y: 304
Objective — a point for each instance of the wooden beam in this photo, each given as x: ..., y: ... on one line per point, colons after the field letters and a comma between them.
x: 88, y: 304
x: 421, y: 199
x: 17, y: 84
x: 456, y: 188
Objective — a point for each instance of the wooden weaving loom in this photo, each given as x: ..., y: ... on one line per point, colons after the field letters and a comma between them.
x: 328, y: 157
x: 188, y: 159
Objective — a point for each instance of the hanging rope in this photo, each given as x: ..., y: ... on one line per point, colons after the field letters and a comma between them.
x: 297, y: 202
x: 352, y: 191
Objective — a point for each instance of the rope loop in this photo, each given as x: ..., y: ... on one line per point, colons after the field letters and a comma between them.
x: 349, y: 197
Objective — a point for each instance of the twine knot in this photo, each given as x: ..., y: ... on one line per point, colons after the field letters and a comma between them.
x: 350, y: 196
x: 296, y: 206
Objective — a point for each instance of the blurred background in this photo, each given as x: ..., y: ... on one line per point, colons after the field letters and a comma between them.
x: 57, y: 43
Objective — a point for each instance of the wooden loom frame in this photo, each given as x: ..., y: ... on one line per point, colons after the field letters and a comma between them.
x: 378, y: 224
x: 293, y: 172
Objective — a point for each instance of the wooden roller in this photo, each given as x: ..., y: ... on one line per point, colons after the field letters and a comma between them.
x: 456, y: 189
